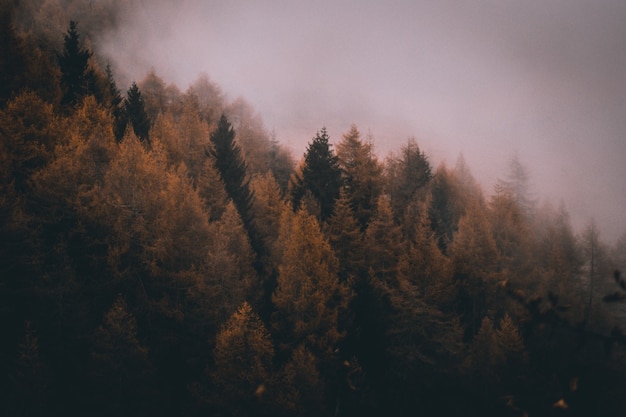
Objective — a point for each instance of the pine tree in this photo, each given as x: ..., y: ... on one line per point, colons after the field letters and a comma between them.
x: 134, y: 107
x: 74, y: 65
x: 321, y: 175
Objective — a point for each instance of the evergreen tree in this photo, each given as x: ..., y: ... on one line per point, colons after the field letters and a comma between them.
x: 116, y: 106
x: 233, y: 170
x: 321, y: 175
x: 134, y: 107
x: 406, y: 175
x: 74, y: 65
x: 13, y: 58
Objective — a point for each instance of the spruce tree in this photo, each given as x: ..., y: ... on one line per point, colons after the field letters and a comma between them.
x: 321, y: 175
x: 233, y: 170
x: 74, y: 65
x: 136, y: 112
x: 116, y: 106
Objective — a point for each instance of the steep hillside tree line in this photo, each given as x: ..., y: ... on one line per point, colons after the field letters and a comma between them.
x: 161, y: 254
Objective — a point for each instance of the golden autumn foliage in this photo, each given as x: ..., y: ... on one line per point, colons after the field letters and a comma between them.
x: 309, y: 296
x: 243, y: 357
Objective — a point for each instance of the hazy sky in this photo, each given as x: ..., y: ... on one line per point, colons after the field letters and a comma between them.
x: 540, y: 78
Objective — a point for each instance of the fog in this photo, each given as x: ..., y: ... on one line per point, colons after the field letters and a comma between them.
x: 545, y: 80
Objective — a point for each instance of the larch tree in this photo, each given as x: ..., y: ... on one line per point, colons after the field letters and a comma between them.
x: 447, y: 202
x: 30, y: 130
x: 595, y: 267
x: 268, y: 207
x: 384, y: 243
x: 243, y: 357
x: 474, y: 259
x: 514, y: 242
x: 347, y: 240
x: 210, y: 98
x: 361, y: 174
x: 517, y: 185
x: 211, y: 189
x: 321, y: 175
x: 485, y: 354
x: 427, y: 268
x: 406, y: 174
x: 511, y: 342
x: 120, y: 367
x: 229, y: 263
x: 309, y: 297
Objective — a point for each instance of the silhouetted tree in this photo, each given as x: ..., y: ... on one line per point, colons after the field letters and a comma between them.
x: 136, y: 113
x: 321, y: 175
x: 233, y: 170
x: 116, y: 106
x: 74, y: 65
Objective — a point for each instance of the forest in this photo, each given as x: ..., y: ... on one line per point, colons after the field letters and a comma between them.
x: 162, y: 254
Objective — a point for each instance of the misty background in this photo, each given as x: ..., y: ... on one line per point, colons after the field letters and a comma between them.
x: 543, y: 80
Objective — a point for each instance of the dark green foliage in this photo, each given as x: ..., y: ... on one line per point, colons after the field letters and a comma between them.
x: 116, y: 106
x: 321, y: 175
x: 76, y: 77
x: 134, y: 107
x: 233, y: 171
x: 13, y: 58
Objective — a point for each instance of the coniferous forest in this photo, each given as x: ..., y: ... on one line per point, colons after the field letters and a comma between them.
x: 161, y: 254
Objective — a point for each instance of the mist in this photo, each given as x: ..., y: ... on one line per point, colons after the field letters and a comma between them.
x: 545, y: 80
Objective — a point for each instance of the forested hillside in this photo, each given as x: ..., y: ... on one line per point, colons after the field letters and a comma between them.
x: 162, y: 254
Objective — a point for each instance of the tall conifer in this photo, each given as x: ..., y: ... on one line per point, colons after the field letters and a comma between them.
x: 74, y: 65
x: 233, y: 170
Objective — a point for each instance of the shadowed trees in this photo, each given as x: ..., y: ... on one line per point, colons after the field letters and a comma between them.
x: 77, y: 79
x: 321, y: 176
x: 135, y: 109
x: 232, y: 168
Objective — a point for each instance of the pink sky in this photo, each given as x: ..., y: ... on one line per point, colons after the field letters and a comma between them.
x: 543, y: 79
